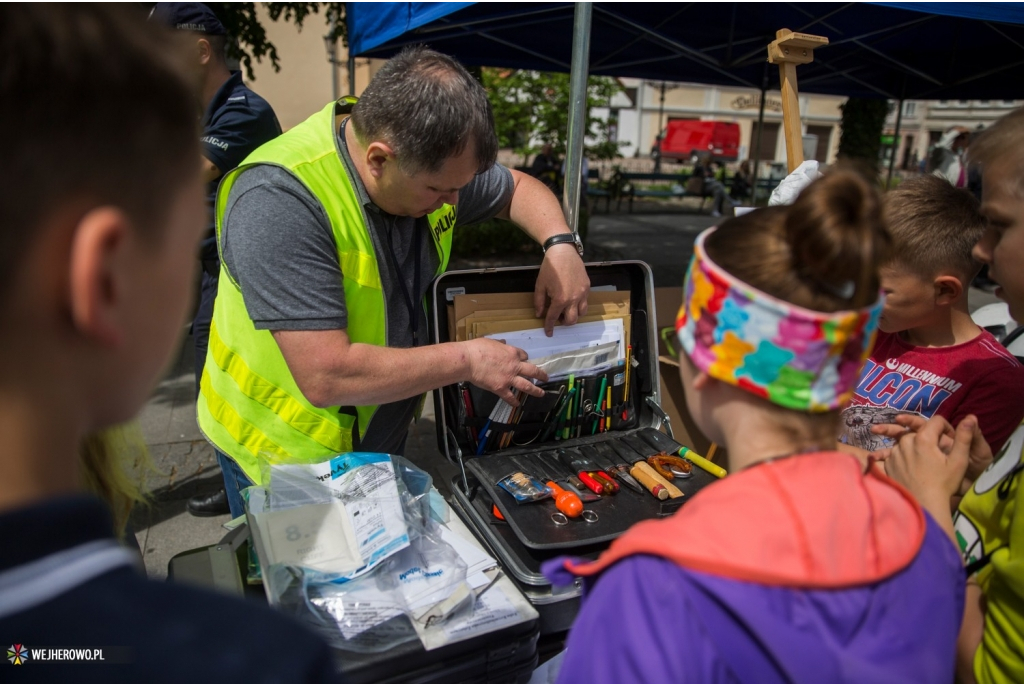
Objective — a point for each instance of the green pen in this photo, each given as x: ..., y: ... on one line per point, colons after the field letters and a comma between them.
x: 568, y: 409
x: 604, y: 384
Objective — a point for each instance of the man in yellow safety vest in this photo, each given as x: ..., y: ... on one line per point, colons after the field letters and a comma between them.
x: 329, y: 237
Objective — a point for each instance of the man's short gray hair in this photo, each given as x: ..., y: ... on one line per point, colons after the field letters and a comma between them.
x: 427, y: 108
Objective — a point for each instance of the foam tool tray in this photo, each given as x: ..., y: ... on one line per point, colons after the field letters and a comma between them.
x: 532, y: 522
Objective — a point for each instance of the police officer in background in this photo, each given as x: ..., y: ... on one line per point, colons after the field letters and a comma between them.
x: 235, y: 122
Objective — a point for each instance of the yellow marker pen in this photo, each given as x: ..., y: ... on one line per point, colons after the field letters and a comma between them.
x: 710, y: 467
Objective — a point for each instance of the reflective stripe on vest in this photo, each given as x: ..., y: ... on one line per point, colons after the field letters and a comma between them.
x: 249, y: 402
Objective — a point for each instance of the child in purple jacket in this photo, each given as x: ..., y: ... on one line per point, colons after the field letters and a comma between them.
x: 806, y: 564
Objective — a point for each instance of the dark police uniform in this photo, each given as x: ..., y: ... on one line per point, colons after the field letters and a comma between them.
x: 65, y: 583
x: 236, y: 122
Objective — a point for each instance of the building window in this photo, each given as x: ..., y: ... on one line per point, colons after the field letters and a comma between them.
x: 909, y: 108
x: 943, y: 103
x: 963, y: 103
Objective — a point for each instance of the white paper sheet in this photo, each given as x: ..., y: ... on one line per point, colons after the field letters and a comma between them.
x: 316, y: 536
x: 493, y: 611
x: 537, y: 344
x: 364, y: 482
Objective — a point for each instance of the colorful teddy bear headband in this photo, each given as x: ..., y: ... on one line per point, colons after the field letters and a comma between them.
x: 794, y: 357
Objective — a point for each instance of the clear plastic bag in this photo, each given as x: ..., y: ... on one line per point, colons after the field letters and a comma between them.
x: 408, y: 578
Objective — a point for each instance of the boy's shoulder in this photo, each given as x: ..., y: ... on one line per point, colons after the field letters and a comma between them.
x: 981, y: 355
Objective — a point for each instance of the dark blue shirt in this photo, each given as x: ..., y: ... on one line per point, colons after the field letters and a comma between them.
x: 165, y: 632
x: 236, y: 122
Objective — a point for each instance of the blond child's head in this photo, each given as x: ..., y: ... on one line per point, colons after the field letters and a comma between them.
x: 999, y: 151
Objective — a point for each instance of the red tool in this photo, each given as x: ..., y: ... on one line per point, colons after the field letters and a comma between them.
x: 609, y: 485
x: 575, y: 466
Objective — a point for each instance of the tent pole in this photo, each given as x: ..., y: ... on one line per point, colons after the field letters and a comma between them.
x: 895, y: 142
x: 351, y: 74
x: 577, y: 115
x: 760, y: 128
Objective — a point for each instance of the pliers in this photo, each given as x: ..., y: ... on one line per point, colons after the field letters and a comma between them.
x: 669, y: 467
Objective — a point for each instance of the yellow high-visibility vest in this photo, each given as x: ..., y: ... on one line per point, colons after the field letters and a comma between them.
x: 249, y: 402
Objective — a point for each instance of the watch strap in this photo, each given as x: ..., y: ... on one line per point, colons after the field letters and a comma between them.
x: 560, y: 239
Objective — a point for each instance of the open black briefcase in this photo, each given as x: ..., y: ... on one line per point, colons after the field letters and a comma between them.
x: 555, y: 436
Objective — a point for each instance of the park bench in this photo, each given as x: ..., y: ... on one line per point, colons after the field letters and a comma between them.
x: 598, y: 189
x: 629, y: 187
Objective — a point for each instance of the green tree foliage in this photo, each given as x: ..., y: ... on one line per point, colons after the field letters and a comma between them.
x: 861, y: 137
x: 243, y: 24
x: 534, y: 106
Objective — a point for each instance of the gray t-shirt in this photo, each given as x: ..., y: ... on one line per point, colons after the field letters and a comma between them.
x: 279, y: 247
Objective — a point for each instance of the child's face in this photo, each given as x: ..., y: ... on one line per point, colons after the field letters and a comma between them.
x: 698, y: 404
x: 1002, y: 245
x: 161, y: 278
x: 909, y: 300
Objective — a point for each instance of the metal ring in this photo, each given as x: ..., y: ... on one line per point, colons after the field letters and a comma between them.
x: 680, y: 474
x: 589, y: 516
x: 559, y: 518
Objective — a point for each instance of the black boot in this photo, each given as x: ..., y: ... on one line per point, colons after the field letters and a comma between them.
x: 209, y: 505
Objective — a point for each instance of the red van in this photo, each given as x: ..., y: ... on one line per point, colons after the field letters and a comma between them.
x: 684, y: 138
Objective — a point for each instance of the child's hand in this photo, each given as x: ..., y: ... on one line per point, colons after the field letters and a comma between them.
x: 980, y: 454
x: 933, y: 474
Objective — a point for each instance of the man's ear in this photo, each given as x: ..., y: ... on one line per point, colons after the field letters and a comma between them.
x: 378, y: 155
x: 948, y: 290
x: 96, y: 283
x: 205, y: 51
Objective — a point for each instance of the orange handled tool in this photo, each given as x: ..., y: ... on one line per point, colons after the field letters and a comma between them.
x: 567, y: 502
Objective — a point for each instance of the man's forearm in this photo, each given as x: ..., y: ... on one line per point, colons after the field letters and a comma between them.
x: 360, y: 374
x: 535, y: 209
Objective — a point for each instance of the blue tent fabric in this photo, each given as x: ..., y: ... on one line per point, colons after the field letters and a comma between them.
x: 371, y: 24
x: 894, y: 50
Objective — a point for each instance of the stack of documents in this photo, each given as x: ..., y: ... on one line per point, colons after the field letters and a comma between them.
x: 485, y: 314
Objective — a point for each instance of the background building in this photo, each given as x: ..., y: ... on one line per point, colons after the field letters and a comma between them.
x: 657, y: 103
x: 924, y: 122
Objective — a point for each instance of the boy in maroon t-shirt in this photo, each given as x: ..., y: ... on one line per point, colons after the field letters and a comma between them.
x: 930, y: 358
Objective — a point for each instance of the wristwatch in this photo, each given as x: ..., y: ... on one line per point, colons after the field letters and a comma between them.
x: 564, y: 238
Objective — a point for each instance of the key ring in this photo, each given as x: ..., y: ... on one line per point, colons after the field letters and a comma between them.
x: 589, y: 516
x: 559, y: 518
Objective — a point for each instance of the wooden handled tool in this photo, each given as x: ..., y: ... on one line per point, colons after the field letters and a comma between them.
x: 788, y: 50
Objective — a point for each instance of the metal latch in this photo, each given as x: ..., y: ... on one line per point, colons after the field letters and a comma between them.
x: 454, y: 449
x: 660, y: 413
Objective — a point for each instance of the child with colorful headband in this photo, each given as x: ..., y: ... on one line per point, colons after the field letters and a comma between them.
x: 805, y: 564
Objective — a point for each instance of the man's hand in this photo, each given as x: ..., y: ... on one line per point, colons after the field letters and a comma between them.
x: 562, y: 287
x: 563, y: 284
x: 980, y: 455
x: 498, y: 367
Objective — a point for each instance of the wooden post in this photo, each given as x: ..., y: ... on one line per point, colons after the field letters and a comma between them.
x: 788, y: 50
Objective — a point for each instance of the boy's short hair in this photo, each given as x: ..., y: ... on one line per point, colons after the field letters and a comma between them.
x: 97, y: 107
x: 1005, y: 138
x: 934, y: 227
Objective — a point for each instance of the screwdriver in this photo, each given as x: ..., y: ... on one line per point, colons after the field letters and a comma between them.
x: 567, y: 503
